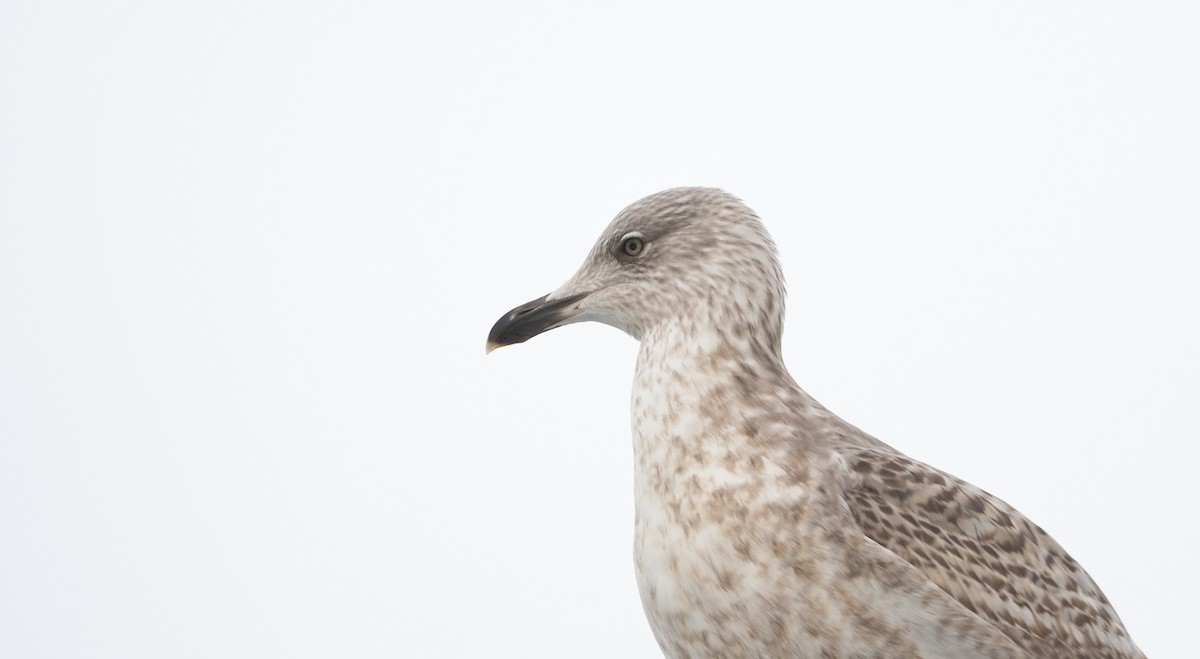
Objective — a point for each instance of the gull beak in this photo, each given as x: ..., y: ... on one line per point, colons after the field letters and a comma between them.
x: 533, y: 318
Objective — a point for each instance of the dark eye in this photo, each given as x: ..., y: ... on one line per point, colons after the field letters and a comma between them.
x: 633, y: 245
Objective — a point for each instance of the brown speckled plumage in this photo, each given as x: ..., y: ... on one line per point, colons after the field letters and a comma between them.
x: 765, y: 525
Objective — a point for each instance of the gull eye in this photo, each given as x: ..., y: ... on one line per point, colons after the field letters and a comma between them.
x: 633, y: 245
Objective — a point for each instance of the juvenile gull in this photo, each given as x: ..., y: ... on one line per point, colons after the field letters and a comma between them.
x: 766, y: 526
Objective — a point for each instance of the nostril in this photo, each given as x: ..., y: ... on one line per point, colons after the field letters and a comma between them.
x: 526, y: 308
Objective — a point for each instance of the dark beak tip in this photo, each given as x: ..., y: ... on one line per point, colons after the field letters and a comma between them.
x: 530, y: 319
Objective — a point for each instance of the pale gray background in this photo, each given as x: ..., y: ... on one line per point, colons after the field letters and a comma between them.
x: 249, y: 254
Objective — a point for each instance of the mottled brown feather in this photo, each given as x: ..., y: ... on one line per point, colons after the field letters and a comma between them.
x: 986, y: 555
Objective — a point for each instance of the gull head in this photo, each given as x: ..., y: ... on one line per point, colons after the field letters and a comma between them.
x: 690, y: 259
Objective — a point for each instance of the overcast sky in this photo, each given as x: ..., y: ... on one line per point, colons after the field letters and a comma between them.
x: 250, y: 252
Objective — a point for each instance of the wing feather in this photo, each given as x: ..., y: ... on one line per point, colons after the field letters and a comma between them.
x: 985, y: 554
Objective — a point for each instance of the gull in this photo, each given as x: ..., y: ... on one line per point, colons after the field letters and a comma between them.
x: 765, y: 525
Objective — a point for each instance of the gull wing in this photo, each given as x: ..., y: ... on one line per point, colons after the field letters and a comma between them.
x: 985, y: 554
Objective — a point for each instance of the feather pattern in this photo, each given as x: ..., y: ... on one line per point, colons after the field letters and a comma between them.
x: 985, y: 554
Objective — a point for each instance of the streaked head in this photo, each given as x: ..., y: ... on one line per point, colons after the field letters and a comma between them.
x: 694, y: 256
